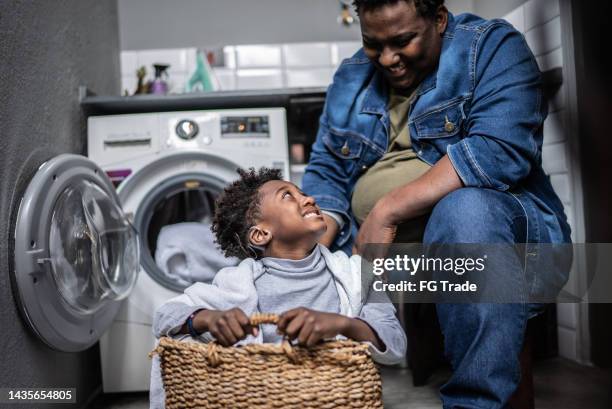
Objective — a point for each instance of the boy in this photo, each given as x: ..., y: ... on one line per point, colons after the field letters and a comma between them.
x: 274, y: 228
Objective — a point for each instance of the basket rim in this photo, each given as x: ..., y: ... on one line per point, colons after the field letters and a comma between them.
x: 329, y: 345
x: 342, y: 352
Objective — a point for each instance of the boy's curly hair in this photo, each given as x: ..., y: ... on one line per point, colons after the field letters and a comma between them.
x: 237, y: 210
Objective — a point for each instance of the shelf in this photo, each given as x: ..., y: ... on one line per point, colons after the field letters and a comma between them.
x: 110, y: 105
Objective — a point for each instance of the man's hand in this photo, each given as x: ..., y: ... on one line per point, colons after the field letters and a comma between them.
x: 228, y: 327
x: 309, y: 326
x: 404, y: 203
x: 327, y: 239
x: 376, y: 229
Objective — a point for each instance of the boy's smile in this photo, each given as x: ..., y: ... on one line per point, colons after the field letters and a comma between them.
x: 312, y: 213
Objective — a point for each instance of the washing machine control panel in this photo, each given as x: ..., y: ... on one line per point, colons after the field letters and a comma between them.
x: 245, y: 127
x: 239, y: 134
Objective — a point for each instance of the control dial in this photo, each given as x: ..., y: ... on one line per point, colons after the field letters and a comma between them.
x: 187, y: 129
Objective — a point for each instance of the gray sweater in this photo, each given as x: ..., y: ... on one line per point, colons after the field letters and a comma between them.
x: 281, y: 285
x: 288, y: 284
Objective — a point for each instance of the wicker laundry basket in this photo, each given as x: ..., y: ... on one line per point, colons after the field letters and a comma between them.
x: 335, y: 374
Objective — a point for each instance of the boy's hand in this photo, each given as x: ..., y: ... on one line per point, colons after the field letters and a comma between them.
x: 228, y: 327
x: 309, y: 326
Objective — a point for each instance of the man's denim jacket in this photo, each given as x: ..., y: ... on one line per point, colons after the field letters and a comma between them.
x: 483, y: 106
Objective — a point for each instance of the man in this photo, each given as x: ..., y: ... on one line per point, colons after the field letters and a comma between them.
x: 433, y: 132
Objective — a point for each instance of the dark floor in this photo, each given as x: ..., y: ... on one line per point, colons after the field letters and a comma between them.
x: 559, y: 384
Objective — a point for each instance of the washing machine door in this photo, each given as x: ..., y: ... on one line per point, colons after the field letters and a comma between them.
x: 76, y: 253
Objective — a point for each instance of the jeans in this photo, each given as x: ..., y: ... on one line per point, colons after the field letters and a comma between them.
x: 483, y: 341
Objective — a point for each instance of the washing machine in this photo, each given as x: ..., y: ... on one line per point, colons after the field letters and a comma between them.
x: 168, y: 168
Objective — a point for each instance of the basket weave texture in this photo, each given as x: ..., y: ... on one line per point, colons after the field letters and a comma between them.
x: 335, y: 374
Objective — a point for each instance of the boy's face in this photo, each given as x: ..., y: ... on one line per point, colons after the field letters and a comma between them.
x: 289, y: 214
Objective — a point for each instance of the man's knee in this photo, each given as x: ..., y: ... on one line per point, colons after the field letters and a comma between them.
x: 470, y: 215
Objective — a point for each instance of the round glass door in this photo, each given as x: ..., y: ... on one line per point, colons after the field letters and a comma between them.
x: 93, y: 248
x: 76, y: 253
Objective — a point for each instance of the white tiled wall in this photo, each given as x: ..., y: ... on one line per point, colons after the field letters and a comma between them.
x: 538, y: 12
x: 312, y: 77
x: 545, y: 38
x: 517, y: 18
x: 264, y: 66
x: 308, y: 55
x: 181, y: 61
x: 567, y: 338
x: 258, y: 56
x: 259, y: 78
x: 343, y: 50
x: 540, y: 22
x: 551, y: 59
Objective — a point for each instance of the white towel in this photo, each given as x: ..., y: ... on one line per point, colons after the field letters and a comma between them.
x: 186, y: 253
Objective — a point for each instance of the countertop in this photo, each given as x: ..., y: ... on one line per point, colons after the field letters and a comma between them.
x: 110, y: 105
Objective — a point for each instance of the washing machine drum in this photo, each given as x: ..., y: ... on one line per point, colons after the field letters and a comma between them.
x: 174, y: 221
x: 76, y: 253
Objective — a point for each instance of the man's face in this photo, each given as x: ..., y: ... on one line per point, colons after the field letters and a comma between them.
x: 404, y: 46
x: 289, y: 214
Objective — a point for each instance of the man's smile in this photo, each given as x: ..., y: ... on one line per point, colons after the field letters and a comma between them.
x: 397, y: 70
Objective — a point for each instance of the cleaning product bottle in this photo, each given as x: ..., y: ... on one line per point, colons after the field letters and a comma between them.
x: 142, y: 87
x: 203, y: 78
x: 159, y: 85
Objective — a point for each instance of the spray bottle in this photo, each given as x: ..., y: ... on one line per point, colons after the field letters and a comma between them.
x: 159, y: 86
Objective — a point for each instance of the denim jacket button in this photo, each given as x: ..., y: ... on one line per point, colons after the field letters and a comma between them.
x: 345, y: 150
x: 448, y: 125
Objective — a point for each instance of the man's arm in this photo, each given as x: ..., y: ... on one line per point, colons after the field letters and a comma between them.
x: 422, y: 193
x: 330, y: 234
x: 326, y: 180
x: 505, y: 116
x: 407, y: 202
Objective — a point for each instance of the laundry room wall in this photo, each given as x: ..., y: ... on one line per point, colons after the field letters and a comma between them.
x: 154, y: 24
x: 495, y: 9
x: 48, y: 49
x: 148, y: 24
x: 594, y: 102
x: 257, y: 45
